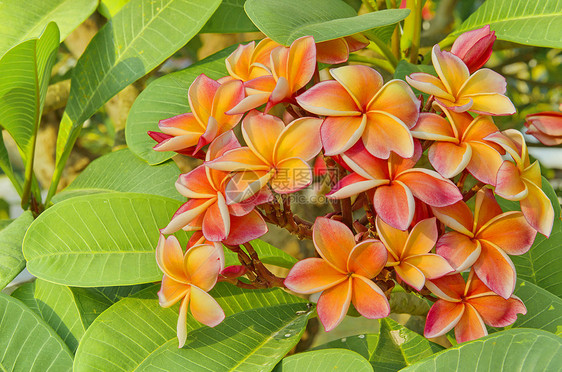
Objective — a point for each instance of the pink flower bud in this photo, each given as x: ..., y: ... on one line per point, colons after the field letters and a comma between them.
x: 546, y: 127
x: 234, y: 271
x: 475, y: 47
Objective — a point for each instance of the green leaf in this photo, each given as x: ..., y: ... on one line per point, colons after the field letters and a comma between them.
x: 25, y: 71
x: 164, y: 98
x: 11, y: 257
x: 27, y: 343
x: 124, y: 172
x: 365, y: 345
x: 135, y: 330
x: 24, y: 20
x: 99, y: 240
x: 286, y: 21
x: 6, y: 166
x: 542, y: 264
x: 405, y: 68
x: 140, y: 37
x: 544, y: 310
x: 5, y: 223
x: 109, y: 8
x: 68, y: 310
x: 273, y: 256
x: 230, y: 17
x: 511, y: 350
x: 324, y: 360
x: 520, y: 21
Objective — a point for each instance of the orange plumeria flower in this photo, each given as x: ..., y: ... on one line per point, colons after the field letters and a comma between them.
x: 337, y: 50
x: 392, y: 184
x: 344, y: 274
x: 291, y: 68
x: 545, y: 126
x: 358, y: 106
x: 482, y: 92
x: 249, y: 61
x: 206, y: 209
x: 522, y: 181
x: 276, y: 154
x: 459, y: 144
x: 188, y: 277
x: 209, y: 100
x: 409, y: 252
x: 484, y: 240
x: 468, y: 307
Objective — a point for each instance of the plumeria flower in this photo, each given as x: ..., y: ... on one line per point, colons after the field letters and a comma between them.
x: 206, y: 209
x: 358, y: 106
x: 468, y: 307
x: 337, y: 50
x: 251, y: 61
x: 484, y: 240
x: 291, y: 69
x: 459, y: 144
x: 209, y: 100
x: 521, y: 181
x: 344, y: 273
x: 409, y: 253
x: 545, y: 126
x: 393, y: 184
x: 475, y: 47
x: 482, y: 92
x: 188, y: 277
x: 276, y: 154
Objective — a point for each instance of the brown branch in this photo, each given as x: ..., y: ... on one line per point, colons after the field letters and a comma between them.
x: 470, y: 193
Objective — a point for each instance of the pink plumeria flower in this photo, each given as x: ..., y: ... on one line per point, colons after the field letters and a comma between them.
x: 484, y: 240
x: 482, y: 92
x: 393, y: 185
x: 358, y: 106
x: 188, y: 277
x: 468, y: 307
x: 475, y: 47
x: 337, y: 50
x: 344, y: 274
x: 545, y: 126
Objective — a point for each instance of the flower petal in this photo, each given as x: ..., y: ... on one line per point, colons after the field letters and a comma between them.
x: 245, y: 228
x: 340, y: 133
x: 368, y: 299
x: 313, y: 275
x: 422, y: 238
x: 484, y: 81
x: 333, y: 241
x: 240, y: 159
x: 457, y: 216
x: 204, y: 308
x: 431, y: 265
x: 187, y: 213
x: 442, y: 317
x: 365, y: 164
x: 451, y: 69
x: 291, y: 175
x: 201, y: 94
x: 182, y: 320
x: 485, y: 208
x: 328, y: 98
x: 367, y: 258
x: 449, y: 159
x: 395, y: 205
x: 384, y: 133
x: 203, y: 263
x: 509, y: 184
x: 169, y: 257
x: 470, y: 326
x: 459, y: 250
x: 429, y: 84
x: 430, y: 187
x: 244, y: 185
x: 497, y: 311
x: 537, y: 209
x: 195, y: 184
x: 216, y: 223
x: 491, y: 104
x: 353, y: 184
x: 448, y: 287
x: 495, y: 269
x: 171, y: 291
x: 300, y: 139
x: 260, y: 132
x: 484, y: 163
x: 433, y: 127
x: 398, y: 99
x: 333, y: 304
x: 227, y: 96
x: 500, y: 231
x: 332, y: 51
x: 411, y: 275
x: 361, y: 82
x: 393, y: 239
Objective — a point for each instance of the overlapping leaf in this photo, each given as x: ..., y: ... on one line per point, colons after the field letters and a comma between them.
x: 11, y: 257
x: 324, y: 360
x: 324, y: 19
x: 230, y: 17
x: 27, y: 343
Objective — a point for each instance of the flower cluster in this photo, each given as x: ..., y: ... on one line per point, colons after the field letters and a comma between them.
x: 423, y: 181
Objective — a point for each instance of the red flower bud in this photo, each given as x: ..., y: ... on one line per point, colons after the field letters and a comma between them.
x: 234, y: 271
x: 475, y: 47
x: 546, y: 127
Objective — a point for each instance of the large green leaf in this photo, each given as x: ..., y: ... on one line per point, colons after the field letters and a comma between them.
x: 511, y: 350
x: 164, y: 98
x: 365, y: 345
x: 27, y: 343
x: 135, y: 330
x: 23, y: 20
x: 324, y: 360
x: 140, y: 37
x: 288, y: 20
x: 6, y: 166
x: 271, y: 255
x: 69, y: 310
x: 123, y: 171
x: 25, y: 71
x: 109, y: 8
x: 230, y: 17
x: 99, y: 240
x: 544, y: 310
x: 520, y: 21
x: 542, y: 264
x: 11, y: 257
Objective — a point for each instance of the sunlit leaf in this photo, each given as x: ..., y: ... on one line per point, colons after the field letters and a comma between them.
x: 324, y: 360
x: 11, y: 256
